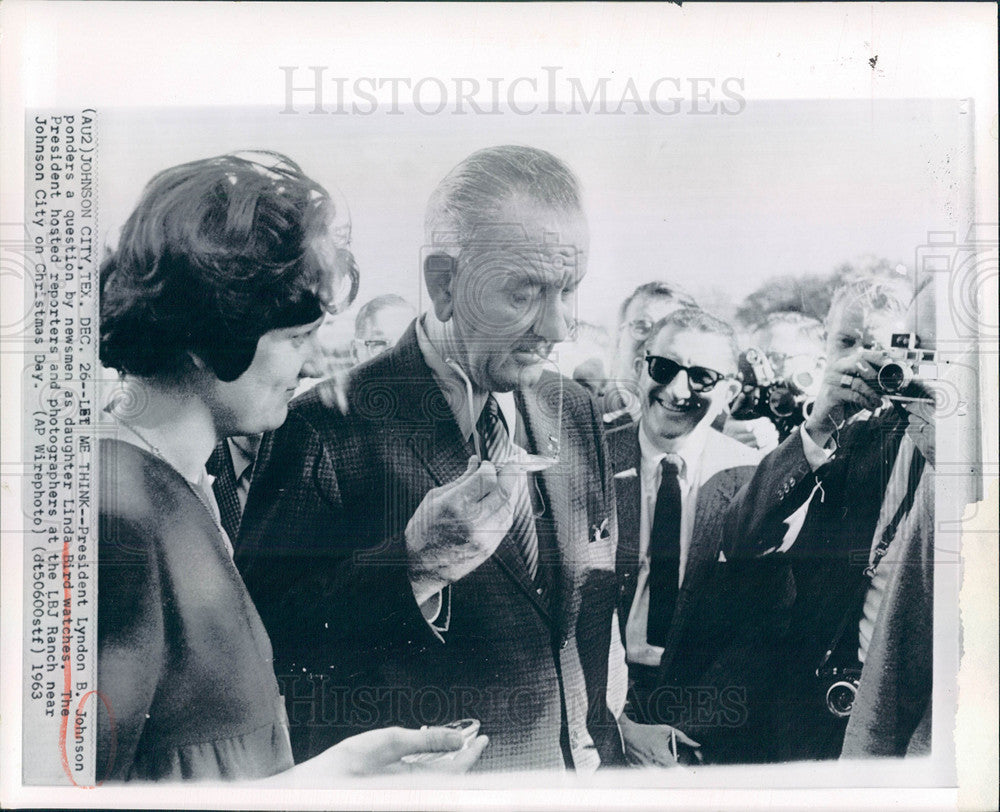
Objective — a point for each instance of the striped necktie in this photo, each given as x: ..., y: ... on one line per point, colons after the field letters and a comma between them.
x: 498, y: 448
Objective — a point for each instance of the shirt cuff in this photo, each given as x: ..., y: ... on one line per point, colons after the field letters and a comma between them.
x: 815, y: 455
x: 436, y: 610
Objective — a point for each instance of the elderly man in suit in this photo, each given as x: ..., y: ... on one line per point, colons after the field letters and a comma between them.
x: 696, y: 629
x: 839, y: 499
x: 446, y: 548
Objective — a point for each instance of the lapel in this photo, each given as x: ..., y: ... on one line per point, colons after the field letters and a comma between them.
x: 425, y: 431
x: 220, y: 466
x: 718, y: 486
x: 626, y: 462
x: 564, y: 493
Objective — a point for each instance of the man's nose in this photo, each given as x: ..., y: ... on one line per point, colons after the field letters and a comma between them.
x: 553, y: 321
x: 311, y: 363
x: 680, y: 386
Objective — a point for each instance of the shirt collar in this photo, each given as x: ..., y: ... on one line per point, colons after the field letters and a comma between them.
x: 243, y: 450
x: 688, y: 448
x: 436, y: 342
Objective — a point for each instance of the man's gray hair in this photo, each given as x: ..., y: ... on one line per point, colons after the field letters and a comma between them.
x: 657, y: 289
x: 698, y: 320
x: 874, y: 294
x: 474, y: 191
x: 371, y: 309
x: 806, y: 326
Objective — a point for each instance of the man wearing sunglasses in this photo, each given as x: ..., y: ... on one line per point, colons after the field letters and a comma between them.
x: 643, y: 308
x: 693, y: 628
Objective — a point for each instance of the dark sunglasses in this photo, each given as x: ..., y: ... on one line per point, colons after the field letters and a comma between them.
x: 664, y: 370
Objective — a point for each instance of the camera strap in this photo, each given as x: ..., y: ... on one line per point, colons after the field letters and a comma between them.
x: 916, y: 468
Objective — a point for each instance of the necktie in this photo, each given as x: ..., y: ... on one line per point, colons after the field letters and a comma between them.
x: 497, y: 449
x: 664, y: 554
x: 220, y: 466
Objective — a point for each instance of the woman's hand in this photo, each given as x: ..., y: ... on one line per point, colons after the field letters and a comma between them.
x: 381, y: 752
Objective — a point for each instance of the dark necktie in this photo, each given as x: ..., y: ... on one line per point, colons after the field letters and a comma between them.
x: 497, y: 449
x: 220, y: 466
x: 664, y: 555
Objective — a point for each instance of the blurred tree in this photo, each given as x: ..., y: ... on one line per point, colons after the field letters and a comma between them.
x: 808, y: 294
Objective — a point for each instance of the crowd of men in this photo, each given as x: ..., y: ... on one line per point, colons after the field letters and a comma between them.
x: 646, y: 561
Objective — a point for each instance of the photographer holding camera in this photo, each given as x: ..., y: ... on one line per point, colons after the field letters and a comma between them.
x: 845, y: 497
x: 782, y: 370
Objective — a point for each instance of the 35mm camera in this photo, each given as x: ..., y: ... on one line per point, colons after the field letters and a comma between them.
x: 907, y: 361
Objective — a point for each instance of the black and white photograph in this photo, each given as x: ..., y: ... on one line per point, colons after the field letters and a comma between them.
x: 565, y: 427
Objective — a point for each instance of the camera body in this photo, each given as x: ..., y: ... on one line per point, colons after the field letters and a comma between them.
x: 837, y: 688
x: 906, y: 361
x: 763, y: 394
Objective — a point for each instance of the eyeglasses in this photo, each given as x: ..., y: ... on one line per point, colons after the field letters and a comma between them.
x: 639, y: 329
x: 664, y: 370
x: 374, y: 345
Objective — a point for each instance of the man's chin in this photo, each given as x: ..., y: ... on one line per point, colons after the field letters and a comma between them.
x: 513, y: 375
x: 668, y: 425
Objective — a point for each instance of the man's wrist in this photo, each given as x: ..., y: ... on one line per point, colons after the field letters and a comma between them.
x: 819, y: 433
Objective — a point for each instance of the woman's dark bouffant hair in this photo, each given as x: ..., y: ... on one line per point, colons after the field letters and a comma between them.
x: 217, y: 253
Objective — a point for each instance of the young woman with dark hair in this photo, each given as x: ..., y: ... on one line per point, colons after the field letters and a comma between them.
x: 209, y: 306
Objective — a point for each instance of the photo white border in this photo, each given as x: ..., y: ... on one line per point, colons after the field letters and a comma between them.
x: 73, y: 54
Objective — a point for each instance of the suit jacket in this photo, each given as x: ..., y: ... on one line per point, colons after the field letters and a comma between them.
x: 828, y: 558
x: 323, y: 553
x: 892, y: 712
x: 715, y: 672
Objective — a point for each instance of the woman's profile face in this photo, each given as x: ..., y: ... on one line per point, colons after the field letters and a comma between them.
x: 257, y: 401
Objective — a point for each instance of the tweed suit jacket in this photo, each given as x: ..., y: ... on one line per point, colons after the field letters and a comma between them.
x: 322, y: 550
x: 220, y: 466
x: 715, y: 672
x: 828, y: 558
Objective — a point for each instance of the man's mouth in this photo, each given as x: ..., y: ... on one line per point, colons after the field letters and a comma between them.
x: 531, y: 355
x: 671, y: 406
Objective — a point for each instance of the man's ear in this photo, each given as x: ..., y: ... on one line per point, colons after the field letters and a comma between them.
x: 439, y: 273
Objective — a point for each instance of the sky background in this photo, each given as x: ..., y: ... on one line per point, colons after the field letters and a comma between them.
x: 716, y: 203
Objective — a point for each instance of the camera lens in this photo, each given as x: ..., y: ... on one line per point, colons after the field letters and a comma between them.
x: 840, y: 698
x: 802, y: 380
x: 893, y: 377
x: 781, y: 401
